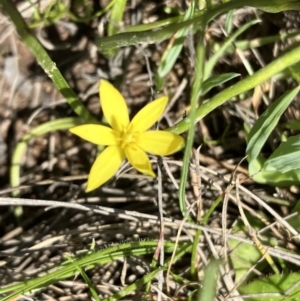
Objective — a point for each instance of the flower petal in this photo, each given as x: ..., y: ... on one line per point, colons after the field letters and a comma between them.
x: 160, y: 142
x: 105, y: 166
x: 139, y: 160
x: 113, y: 105
x: 148, y: 115
x: 96, y: 133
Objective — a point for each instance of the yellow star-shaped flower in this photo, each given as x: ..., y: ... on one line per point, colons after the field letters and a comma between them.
x: 126, y: 139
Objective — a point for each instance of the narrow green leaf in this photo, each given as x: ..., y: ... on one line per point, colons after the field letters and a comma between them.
x: 250, y: 82
x: 170, y: 55
x: 215, y: 81
x: 210, y: 64
x: 133, y: 38
x: 279, y: 7
x: 116, y: 16
x: 198, y: 80
x: 133, y: 287
x: 267, y: 122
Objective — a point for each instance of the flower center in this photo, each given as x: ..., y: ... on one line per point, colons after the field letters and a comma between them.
x: 128, y: 138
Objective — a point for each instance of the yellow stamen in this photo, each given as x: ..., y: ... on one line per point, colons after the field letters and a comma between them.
x: 128, y: 138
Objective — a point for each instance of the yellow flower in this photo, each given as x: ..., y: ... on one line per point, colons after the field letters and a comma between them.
x: 126, y: 139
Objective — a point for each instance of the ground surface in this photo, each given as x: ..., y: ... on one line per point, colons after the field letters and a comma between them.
x: 28, y: 98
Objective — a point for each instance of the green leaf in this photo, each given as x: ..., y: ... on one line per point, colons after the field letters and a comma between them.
x: 285, y: 157
x: 266, y: 123
x: 201, y: 19
x: 116, y: 16
x: 244, y: 256
x: 113, y: 28
x: 258, y: 136
x: 171, y: 54
x: 215, y: 81
x: 274, y: 177
x: 250, y: 82
x: 276, y: 286
x: 294, y: 221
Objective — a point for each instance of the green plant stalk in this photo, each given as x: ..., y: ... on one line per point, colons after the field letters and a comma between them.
x: 200, y: 54
x: 211, y: 210
x: 134, y: 38
x: 44, y: 60
x: 152, y: 267
x: 195, y: 256
x: 197, y: 85
x: 194, y: 259
x: 116, y: 16
x: 284, y: 61
x: 258, y: 42
x: 199, y: 75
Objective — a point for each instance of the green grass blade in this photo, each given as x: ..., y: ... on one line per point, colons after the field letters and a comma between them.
x: 280, y: 6
x: 228, y: 43
x: 116, y: 16
x: 87, y: 262
x: 261, y: 41
x: 209, y: 285
x: 171, y: 54
x: 215, y: 81
x: 242, y: 86
x: 133, y: 287
x: 44, y: 60
x: 86, y: 279
x: 286, y: 157
x: 105, y: 44
x: 200, y: 59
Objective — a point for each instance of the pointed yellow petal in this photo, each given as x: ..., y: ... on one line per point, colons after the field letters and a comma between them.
x: 113, y: 105
x: 105, y: 166
x: 96, y: 133
x: 160, y: 142
x: 148, y: 115
x: 139, y: 160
